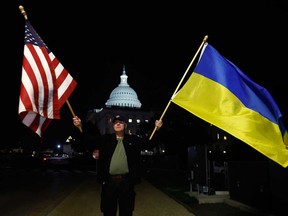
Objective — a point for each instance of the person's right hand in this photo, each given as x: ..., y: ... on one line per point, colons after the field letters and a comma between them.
x: 77, y: 121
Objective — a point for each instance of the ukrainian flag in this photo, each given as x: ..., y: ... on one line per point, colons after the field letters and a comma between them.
x: 221, y: 94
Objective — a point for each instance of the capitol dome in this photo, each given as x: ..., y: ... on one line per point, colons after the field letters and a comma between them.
x: 123, y: 95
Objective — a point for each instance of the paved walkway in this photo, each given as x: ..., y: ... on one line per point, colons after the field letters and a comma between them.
x: 150, y: 201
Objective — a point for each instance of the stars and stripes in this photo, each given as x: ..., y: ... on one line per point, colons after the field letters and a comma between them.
x: 45, y: 83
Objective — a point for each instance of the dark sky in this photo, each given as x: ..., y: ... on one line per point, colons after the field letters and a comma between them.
x: 156, y: 43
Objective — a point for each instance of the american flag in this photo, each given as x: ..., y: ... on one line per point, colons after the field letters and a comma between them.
x: 45, y: 84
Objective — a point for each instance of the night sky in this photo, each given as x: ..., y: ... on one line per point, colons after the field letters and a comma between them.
x: 155, y: 42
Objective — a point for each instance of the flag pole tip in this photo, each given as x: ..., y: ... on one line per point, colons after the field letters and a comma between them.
x: 23, y: 12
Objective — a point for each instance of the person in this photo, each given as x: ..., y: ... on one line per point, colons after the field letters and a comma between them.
x: 118, y: 168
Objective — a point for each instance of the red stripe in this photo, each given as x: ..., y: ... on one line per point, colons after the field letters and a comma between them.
x: 44, y: 87
x: 32, y: 78
x: 25, y: 98
x: 67, y: 92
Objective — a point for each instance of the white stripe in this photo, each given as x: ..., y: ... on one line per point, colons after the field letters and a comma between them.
x: 64, y: 86
x: 50, y: 84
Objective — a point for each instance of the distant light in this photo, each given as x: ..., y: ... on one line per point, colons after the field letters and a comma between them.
x: 58, y: 146
x: 69, y: 139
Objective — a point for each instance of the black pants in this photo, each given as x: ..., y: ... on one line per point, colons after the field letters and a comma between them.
x: 118, y: 193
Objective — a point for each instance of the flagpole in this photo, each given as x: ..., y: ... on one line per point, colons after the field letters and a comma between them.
x: 188, y: 68
x: 23, y: 12
x: 73, y: 114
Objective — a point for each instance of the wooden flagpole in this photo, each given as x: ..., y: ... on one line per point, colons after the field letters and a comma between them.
x: 23, y: 12
x: 73, y: 114
x: 176, y: 90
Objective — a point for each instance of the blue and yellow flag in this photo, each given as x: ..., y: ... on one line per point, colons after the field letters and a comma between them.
x: 221, y: 94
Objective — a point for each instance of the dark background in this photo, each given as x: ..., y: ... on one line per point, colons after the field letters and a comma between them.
x: 155, y: 42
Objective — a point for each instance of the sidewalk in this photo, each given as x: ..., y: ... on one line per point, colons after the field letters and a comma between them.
x: 85, y: 200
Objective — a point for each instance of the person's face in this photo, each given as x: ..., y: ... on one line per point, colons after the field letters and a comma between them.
x: 119, y: 126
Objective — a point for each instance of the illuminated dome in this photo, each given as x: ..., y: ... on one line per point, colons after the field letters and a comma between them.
x: 123, y: 95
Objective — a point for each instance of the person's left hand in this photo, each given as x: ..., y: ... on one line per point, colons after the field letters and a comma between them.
x: 158, y: 124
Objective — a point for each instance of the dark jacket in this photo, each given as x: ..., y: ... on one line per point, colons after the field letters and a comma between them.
x: 133, y: 146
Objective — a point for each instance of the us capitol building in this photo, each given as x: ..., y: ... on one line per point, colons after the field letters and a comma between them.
x: 123, y: 100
